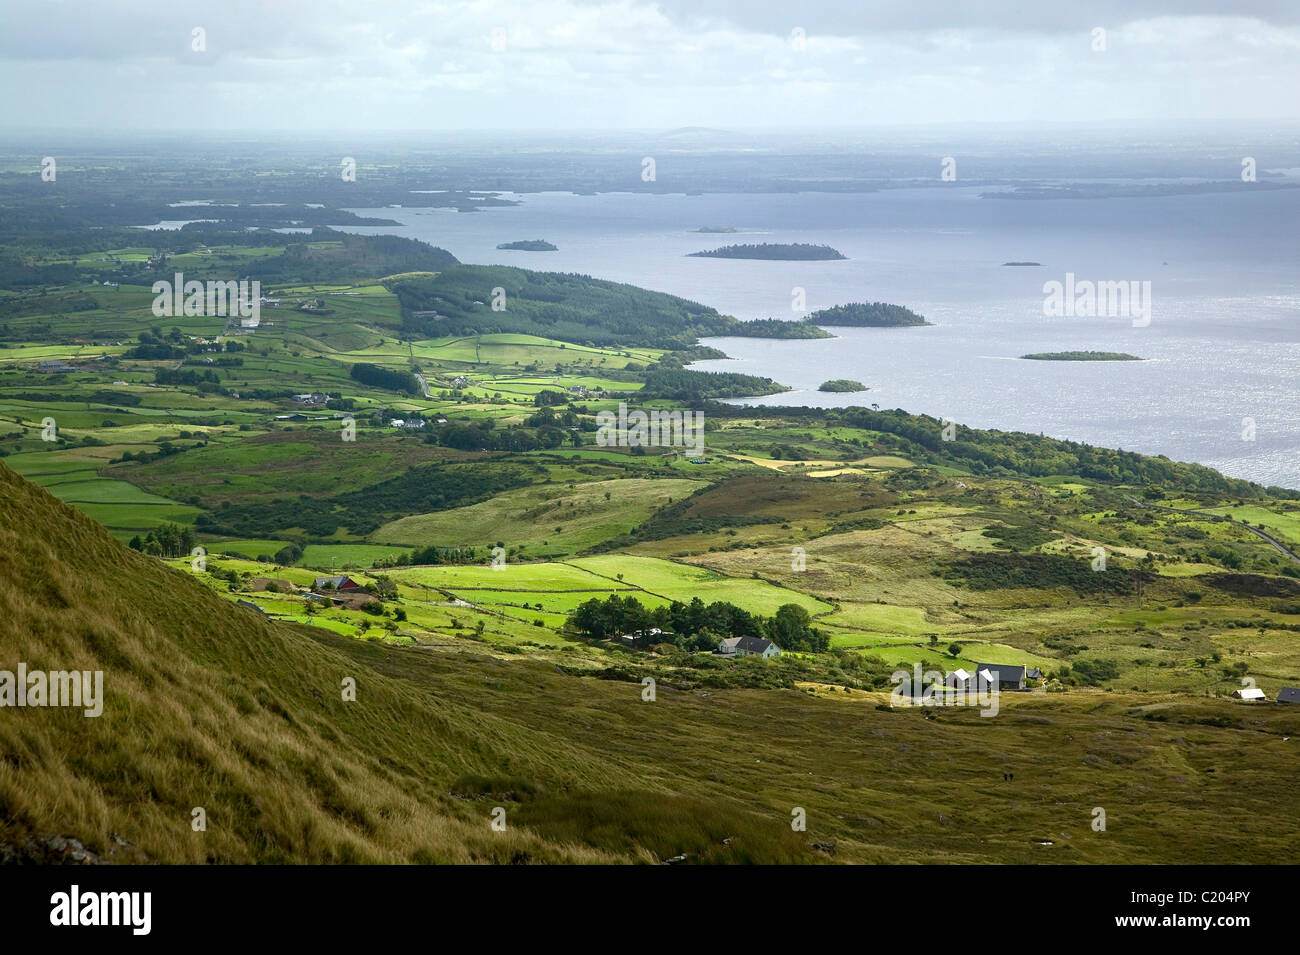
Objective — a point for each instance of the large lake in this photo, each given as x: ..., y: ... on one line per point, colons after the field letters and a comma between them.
x: 1223, y: 343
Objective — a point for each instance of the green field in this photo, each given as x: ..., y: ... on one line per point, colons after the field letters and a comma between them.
x: 550, y: 520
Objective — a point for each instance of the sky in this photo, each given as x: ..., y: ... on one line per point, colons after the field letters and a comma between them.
x: 318, y: 65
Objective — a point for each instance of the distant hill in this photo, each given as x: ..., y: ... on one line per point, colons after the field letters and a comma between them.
x: 323, y: 255
x: 792, y: 252
x: 701, y: 131
x: 563, y: 306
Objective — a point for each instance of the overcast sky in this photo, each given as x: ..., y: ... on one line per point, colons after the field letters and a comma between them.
x: 497, y: 64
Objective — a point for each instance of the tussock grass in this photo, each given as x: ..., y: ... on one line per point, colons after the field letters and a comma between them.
x: 212, y: 705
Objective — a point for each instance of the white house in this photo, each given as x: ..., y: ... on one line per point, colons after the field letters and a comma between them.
x: 1249, y: 693
x: 749, y: 647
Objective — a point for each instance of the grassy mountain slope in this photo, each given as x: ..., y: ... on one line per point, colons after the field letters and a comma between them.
x: 210, y: 705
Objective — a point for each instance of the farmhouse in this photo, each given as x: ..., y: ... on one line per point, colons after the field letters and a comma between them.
x: 1249, y: 693
x: 312, y: 400
x: 749, y: 647
x: 340, y: 583
x: 1289, y: 694
x: 54, y: 365
x: 1003, y: 676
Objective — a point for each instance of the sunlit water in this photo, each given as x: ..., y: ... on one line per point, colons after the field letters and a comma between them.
x: 1222, y: 346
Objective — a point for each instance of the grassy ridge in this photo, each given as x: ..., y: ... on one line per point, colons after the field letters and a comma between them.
x: 211, y: 705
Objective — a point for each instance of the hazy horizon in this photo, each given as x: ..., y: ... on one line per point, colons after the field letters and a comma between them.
x: 621, y: 64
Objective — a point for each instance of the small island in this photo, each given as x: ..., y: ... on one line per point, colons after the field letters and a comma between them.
x: 791, y: 252
x: 1082, y: 356
x: 1005, y: 264
x: 711, y: 229
x: 867, y: 315
x: 529, y: 245
x: 842, y: 384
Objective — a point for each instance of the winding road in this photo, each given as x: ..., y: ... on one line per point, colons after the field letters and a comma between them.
x: 1209, y: 515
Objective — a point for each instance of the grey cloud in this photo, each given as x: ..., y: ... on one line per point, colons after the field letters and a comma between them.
x: 857, y: 17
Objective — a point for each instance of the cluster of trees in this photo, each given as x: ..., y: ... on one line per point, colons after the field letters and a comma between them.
x: 775, y: 328
x: 165, y: 450
x: 483, y: 435
x: 16, y: 272
x: 545, y: 417
x: 548, y: 398
x: 430, y: 487
x: 866, y: 314
x: 186, y: 376
x: 695, y: 625
x: 683, y: 384
x: 529, y: 245
x: 999, y: 571
x: 433, y: 554
x: 155, y: 346
x: 390, y: 378
x: 166, y: 540
x: 154, y: 351
x: 1088, y: 672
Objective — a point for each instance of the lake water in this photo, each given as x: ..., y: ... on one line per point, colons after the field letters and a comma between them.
x: 1222, y: 345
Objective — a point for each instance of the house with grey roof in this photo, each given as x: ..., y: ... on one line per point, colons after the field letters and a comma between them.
x: 1000, y: 676
x: 1289, y: 694
x: 748, y: 647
